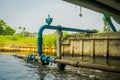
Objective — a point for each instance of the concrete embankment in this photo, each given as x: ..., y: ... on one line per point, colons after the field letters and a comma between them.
x: 26, y: 48
x: 98, y: 44
x: 18, y: 47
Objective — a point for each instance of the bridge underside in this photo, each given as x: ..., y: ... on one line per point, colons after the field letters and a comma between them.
x: 111, y: 7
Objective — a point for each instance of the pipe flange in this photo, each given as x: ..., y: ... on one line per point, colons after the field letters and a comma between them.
x: 53, y: 59
x: 31, y: 57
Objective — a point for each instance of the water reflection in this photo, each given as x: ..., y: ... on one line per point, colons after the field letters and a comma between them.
x: 12, y: 68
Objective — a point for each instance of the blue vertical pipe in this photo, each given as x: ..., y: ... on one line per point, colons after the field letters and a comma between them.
x: 55, y: 28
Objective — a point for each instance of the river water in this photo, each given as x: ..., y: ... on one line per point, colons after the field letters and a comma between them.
x: 13, y: 68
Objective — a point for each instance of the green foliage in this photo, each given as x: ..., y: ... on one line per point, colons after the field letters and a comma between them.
x: 17, y: 40
x: 2, y: 23
x: 77, y: 33
x: 12, y: 38
x: 80, y: 33
x: 5, y: 29
x: 118, y: 30
x: 64, y: 35
x: 1, y: 30
x: 26, y: 33
x: 96, y: 31
x: 9, y: 31
x: 106, y: 26
x: 49, y: 40
x: 28, y: 40
x: 7, y: 39
x: 6, y: 36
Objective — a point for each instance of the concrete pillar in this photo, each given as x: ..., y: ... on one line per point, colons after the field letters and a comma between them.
x: 58, y: 36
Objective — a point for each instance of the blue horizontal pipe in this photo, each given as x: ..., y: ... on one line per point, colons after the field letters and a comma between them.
x: 43, y: 58
x: 31, y: 57
x: 55, y: 28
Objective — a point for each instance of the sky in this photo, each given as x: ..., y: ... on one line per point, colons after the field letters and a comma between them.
x: 31, y: 14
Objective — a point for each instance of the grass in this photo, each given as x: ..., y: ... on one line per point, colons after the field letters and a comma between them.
x: 17, y: 40
x: 48, y: 40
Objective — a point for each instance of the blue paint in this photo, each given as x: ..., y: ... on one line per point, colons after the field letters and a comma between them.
x: 39, y: 46
x: 49, y: 20
x: 45, y: 59
x: 48, y: 59
x: 28, y: 57
x: 31, y: 57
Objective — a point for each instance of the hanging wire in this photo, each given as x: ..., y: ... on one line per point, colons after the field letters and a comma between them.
x: 80, y: 12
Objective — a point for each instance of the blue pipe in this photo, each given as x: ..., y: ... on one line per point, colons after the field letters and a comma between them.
x: 55, y: 28
x: 31, y: 57
x: 44, y: 58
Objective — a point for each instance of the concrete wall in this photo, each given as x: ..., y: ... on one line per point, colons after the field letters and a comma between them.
x: 97, y: 44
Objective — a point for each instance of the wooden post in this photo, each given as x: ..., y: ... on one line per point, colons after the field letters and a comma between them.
x: 93, y: 48
x: 82, y: 48
x: 58, y: 36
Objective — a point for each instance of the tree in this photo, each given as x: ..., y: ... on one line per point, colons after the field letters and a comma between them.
x: 20, y: 27
x: 25, y: 33
x: 1, y: 30
x: 5, y: 29
x: 106, y: 26
x: 23, y: 30
x: 2, y: 23
x: 9, y: 31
